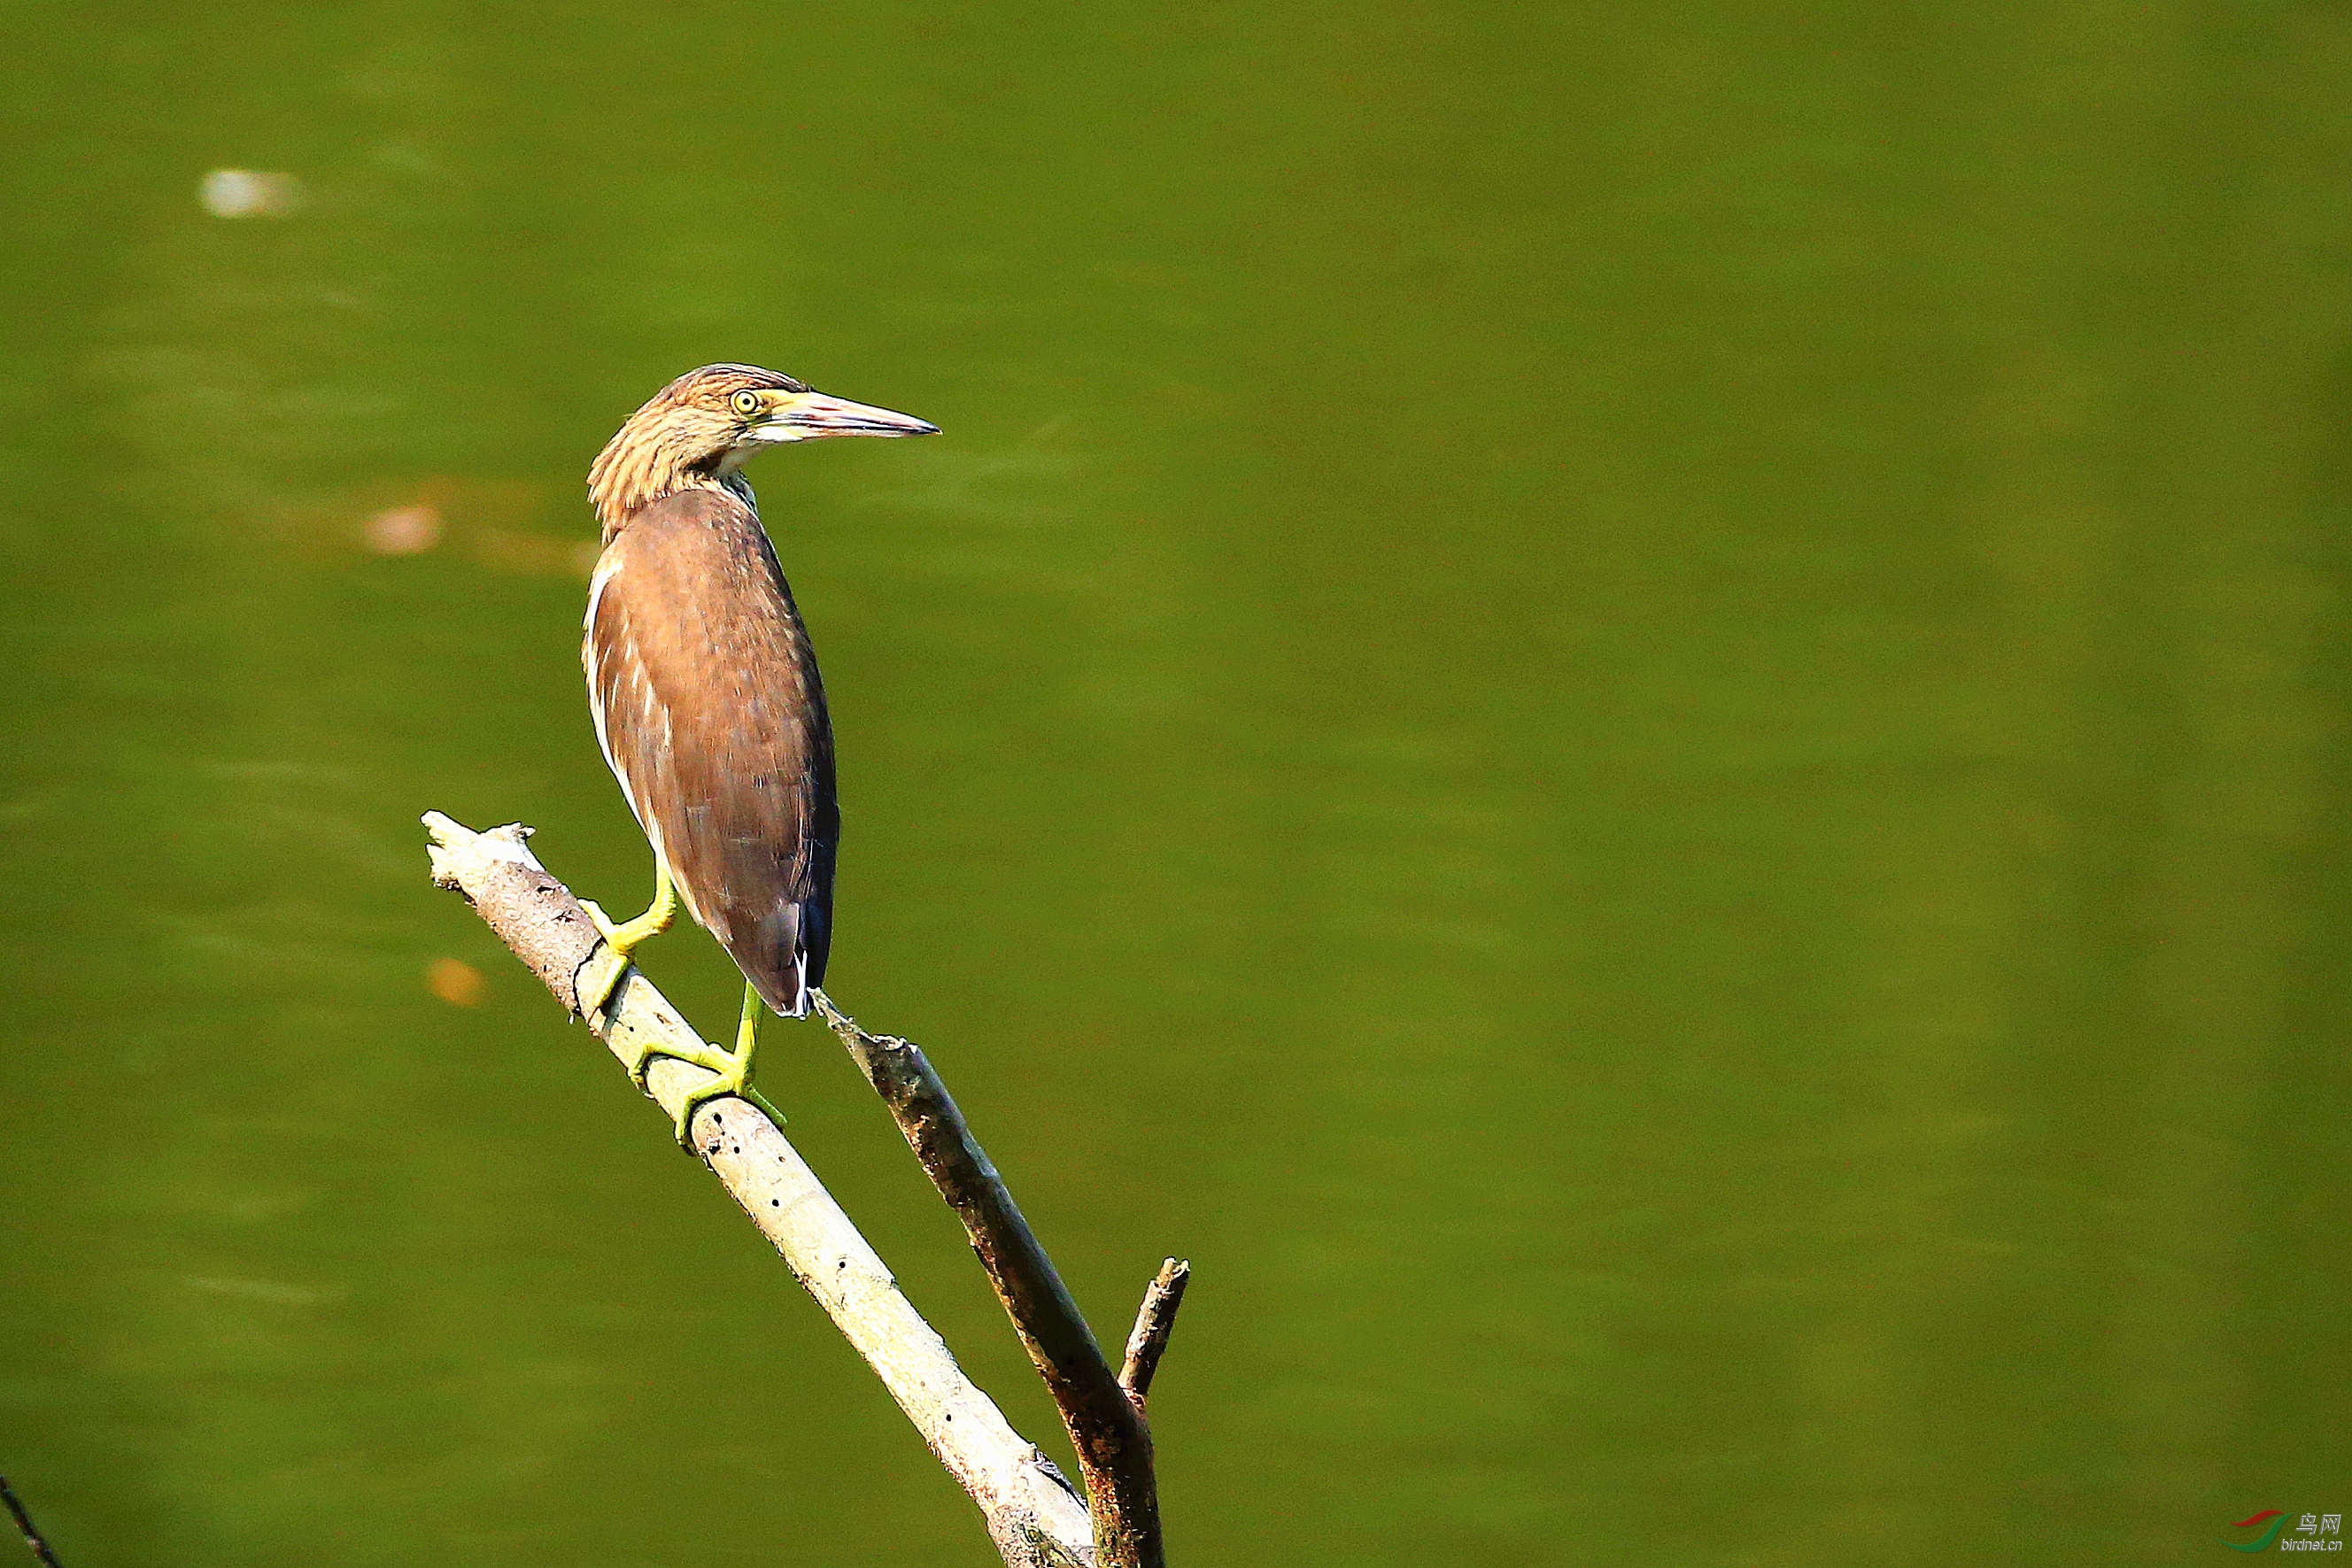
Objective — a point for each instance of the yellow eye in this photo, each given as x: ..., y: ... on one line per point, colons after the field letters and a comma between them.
x: 747, y: 403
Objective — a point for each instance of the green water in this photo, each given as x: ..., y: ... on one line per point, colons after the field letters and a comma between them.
x: 1643, y: 715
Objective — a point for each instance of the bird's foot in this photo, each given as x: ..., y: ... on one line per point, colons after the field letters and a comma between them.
x: 604, y: 923
x: 601, y: 975
x: 732, y: 1070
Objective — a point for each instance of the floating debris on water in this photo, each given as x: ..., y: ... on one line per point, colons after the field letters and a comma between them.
x: 457, y: 982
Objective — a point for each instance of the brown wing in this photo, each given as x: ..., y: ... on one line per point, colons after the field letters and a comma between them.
x: 708, y: 705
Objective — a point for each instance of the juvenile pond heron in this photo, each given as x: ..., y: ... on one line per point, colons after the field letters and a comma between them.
x: 705, y: 692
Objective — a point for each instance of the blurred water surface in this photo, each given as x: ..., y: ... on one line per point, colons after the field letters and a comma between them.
x: 1639, y: 712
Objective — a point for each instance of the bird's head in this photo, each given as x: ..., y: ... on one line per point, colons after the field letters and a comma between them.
x: 703, y: 426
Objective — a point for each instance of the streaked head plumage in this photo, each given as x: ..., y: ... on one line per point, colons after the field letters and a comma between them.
x: 703, y: 426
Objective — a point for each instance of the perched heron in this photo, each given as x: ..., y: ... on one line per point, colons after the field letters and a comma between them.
x: 705, y: 696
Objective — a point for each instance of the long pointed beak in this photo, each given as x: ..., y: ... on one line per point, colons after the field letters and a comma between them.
x: 812, y: 416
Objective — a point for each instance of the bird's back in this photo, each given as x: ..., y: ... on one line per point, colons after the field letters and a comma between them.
x: 709, y: 708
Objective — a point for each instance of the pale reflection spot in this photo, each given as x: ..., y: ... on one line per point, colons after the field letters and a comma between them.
x: 402, y: 530
x: 534, y: 554
x: 249, y: 194
x: 265, y: 1291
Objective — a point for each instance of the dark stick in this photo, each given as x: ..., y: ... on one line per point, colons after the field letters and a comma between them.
x: 1106, y: 1427
x: 1154, y: 1322
x: 41, y: 1553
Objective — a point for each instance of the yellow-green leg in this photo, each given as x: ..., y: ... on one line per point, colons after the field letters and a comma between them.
x: 733, y: 1071
x: 601, y: 977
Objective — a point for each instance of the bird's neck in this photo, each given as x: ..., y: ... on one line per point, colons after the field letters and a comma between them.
x: 629, y: 475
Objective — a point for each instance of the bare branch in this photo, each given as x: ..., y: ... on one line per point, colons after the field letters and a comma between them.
x: 1154, y: 1322
x: 41, y: 1553
x: 1106, y: 1428
x: 1033, y: 1515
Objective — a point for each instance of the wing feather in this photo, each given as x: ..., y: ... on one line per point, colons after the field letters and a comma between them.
x: 710, y: 712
